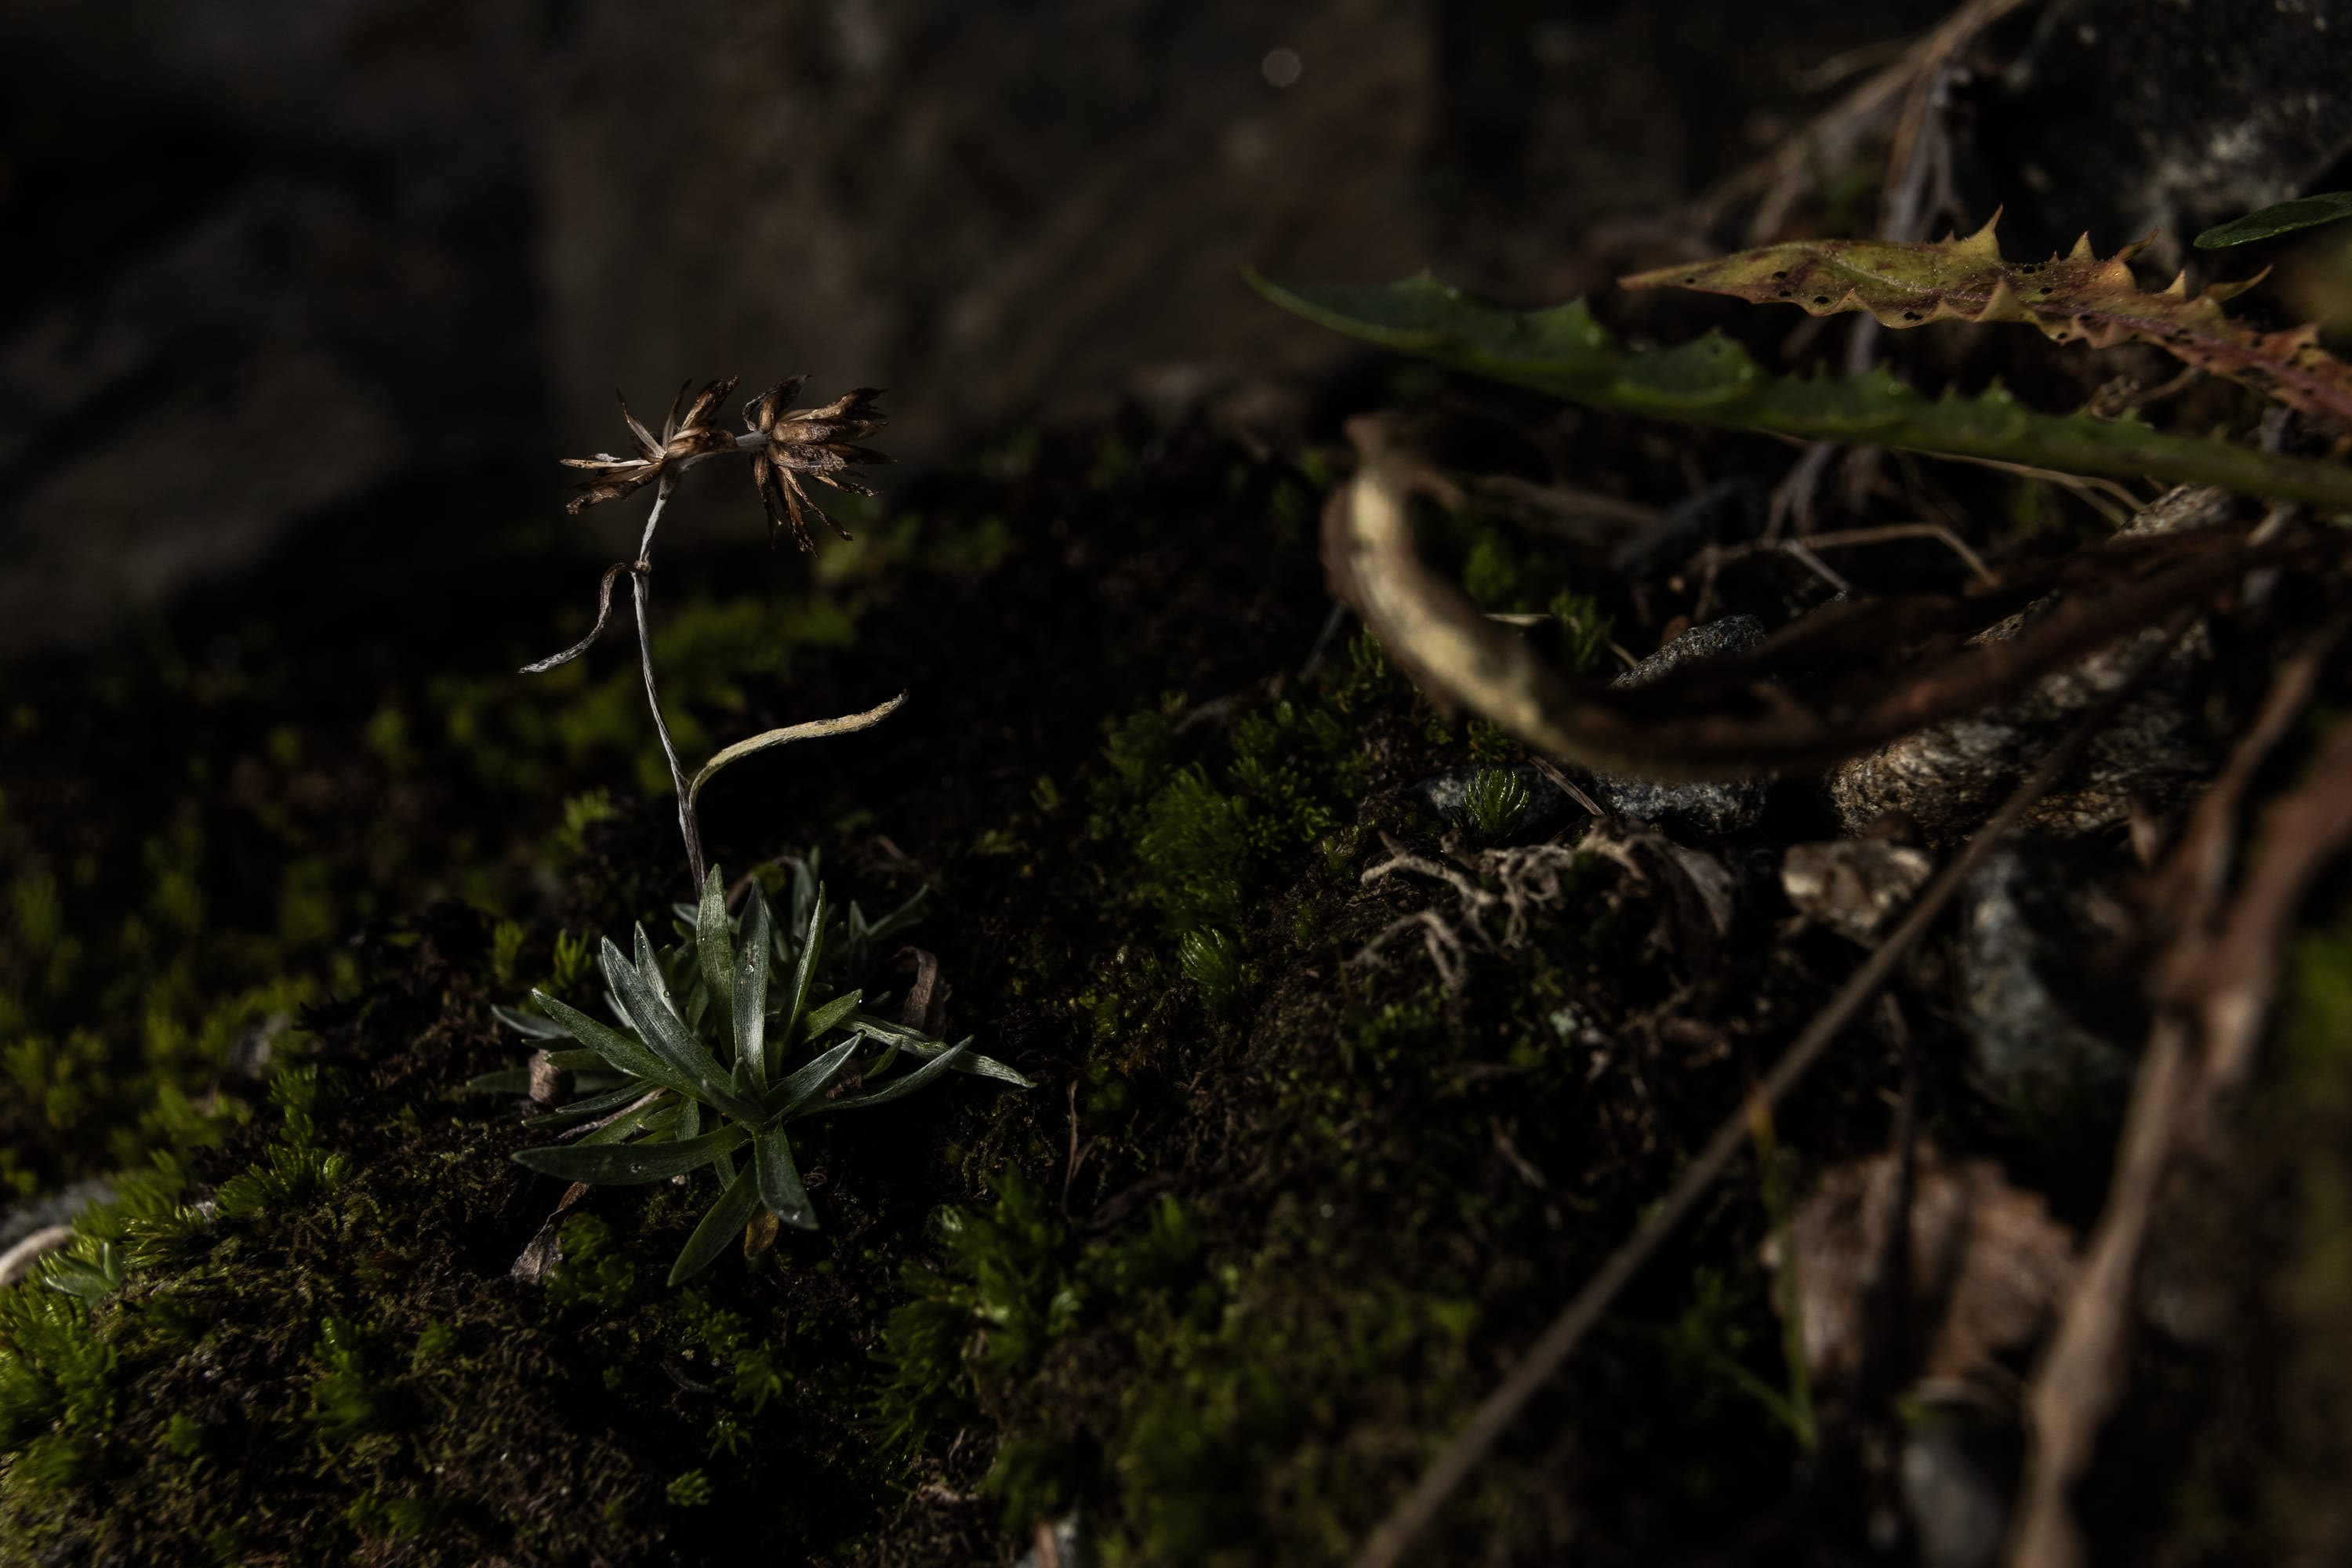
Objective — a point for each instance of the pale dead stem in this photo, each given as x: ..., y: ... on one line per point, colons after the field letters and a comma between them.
x: 2217, y: 975
x: 1454, y: 1464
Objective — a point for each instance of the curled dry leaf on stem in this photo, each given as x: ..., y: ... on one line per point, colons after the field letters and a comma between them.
x: 2077, y: 298
x: 1849, y: 676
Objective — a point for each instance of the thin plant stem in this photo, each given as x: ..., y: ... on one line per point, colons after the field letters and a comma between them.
x: 641, y: 588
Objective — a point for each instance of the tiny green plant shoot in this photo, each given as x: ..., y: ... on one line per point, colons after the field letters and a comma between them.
x: 726, y: 1039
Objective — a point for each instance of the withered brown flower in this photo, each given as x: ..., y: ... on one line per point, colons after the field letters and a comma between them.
x: 682, y: 439
x: 814, y: 443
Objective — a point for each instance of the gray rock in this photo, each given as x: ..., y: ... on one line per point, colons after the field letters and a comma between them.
x: 1954, y: 1478
x: 1447, y: 795
x: 1713, y: 806
x: 2128, y: 117
x: 2033, y: 1037
x: 2157, y: 753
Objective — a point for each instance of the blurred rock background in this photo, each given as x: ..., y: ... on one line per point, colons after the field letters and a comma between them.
x: 363, y: 269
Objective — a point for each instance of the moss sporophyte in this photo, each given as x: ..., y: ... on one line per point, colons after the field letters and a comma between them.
x: 700, y: 1069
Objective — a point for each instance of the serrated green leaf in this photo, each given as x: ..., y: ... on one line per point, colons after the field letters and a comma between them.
x: 780, y: 1181
x: 1563, y: 352
x: 751, y: 987
x: 737, y: 1203
x: 2283, y: 217
x: 714, y: 948
x: 898, y: 1088
x: 633, y: 1165
x: 811, y: 1080
x: 2078, y: 298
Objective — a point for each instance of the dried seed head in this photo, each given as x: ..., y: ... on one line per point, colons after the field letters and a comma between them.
x: 813, y: 443
x: 683, y: 438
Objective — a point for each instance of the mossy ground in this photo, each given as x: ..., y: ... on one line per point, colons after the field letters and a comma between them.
x: 1272, y: 1223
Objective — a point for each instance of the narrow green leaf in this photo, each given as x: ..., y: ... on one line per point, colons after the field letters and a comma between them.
x: 633, y: 1165
x: 820, y: 1019
x: 1713, y: 382
x: 573, y: 1061
x: 811, y: 1080
x: 725, y: 1221
x: 751, y: 986
x: 2285, y: 218
x: 714, y: 948
x: 804, y: 971
x: 924, y: 1048
x: 666, y: 1034
x: 780, y: 1183
x: 511, y: 1080
x: 625, y: 1052
x: 588, y: 1110
x: 897, y: 1087
x: 648, y: 966
x: 623, y: 1128
x: 528, y: 1024
x: 690, y: 1120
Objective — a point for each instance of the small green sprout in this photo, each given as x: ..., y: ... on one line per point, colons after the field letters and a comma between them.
x: 1496, y: 804
x: 701, y: 1070
x: 1211, y: 961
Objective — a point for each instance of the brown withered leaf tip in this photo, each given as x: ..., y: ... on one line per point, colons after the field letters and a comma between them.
x: 813, y: 443
x: 682, y: 438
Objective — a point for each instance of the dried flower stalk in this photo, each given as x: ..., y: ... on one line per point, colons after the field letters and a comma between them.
x: 785, y: 449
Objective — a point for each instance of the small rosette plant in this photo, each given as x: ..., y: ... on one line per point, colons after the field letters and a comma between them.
x: 724, y: 1042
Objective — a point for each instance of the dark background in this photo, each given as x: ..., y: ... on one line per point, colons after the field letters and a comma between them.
x: 361, y: 271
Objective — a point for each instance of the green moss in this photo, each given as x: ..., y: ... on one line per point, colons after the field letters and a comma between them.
x: 1496, y: 804
x: 1004, y: 1291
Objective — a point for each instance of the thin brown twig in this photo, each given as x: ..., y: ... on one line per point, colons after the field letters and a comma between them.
x: 1388, y: 1541
x: 1781, y: 177
x: 1882, y: 533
